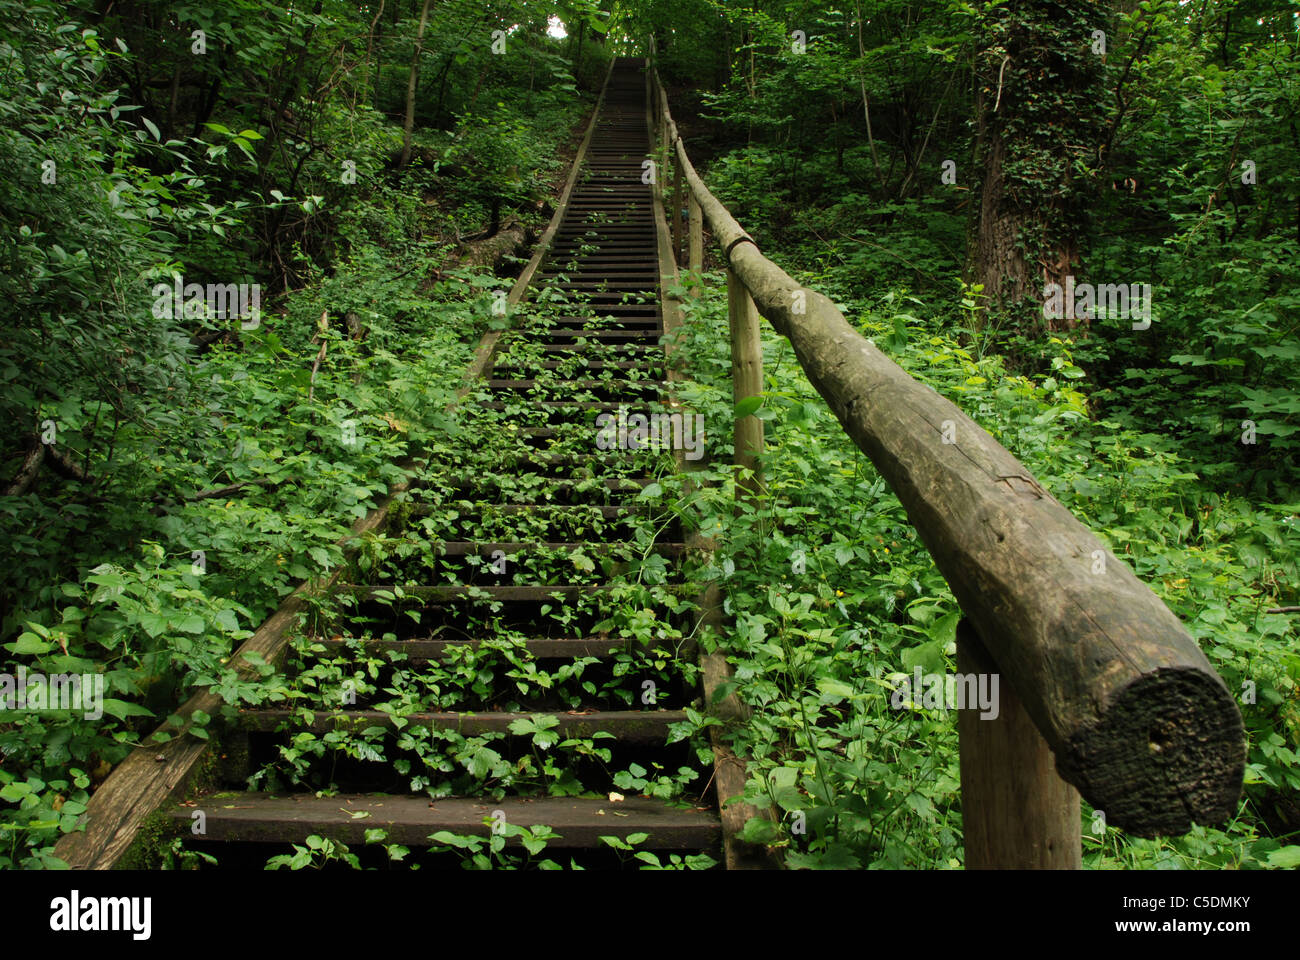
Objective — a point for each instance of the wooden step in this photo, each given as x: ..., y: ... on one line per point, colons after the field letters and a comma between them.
x: 606, y: 511
x: 434, y: 593
x: 409, y: 820
x: 444, y: 592
x: 620, y: 370
x: 627, y: 726
x: 541, y: 648
x: 647, y: 385
x: 460, y: 548
x: 607, y: 406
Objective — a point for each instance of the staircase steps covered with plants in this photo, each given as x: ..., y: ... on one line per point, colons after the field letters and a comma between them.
x: 496, y: 674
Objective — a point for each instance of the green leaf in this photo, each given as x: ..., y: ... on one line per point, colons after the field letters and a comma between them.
x: 928, y: 656
x: 122, y: 709
x: 747, y: 406
x: 834, y: 689
x: 29, y: 645
x: 652, y: 491
x: 1286, y: 858
x: 944, y: 630
x: 759, y: 830
x: 154, y: 624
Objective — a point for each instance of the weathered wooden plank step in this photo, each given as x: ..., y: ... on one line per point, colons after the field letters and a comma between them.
x: 409, y: 820
x: 605, y: 313
x: 612, y: 208
x: 532, y: 461
x: 615, y: 218
x: 603, y: 285
x: 616, y: 484
x: 604, y: 405
x: 617, y: 349
x: 553, y: 460
x: 460, y: 548
x: 455, y: 591
x: 570, y: 362
x: 610, y: 255
x: 647, y: 275
x: 607, y: 230
x: 542, y: 648
x: 607, y: 304
x: 648, y: 384
x: 614, y: 313
x: 616, y: 238
x: 627, y: 726
x: 601, y: 304
x: 638, y: 315
x: 612, y: 252
x: 606, y: 510
x: 605, y: 336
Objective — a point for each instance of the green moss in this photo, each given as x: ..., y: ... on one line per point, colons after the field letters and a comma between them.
x: 149, y: 849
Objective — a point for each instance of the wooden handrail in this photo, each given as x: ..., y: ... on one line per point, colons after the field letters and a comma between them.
x: 1134, y: 714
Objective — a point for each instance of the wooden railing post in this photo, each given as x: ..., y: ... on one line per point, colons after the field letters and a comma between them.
x: 1016, y: 811
x: 661, y: 184
x: 679, y: 183
x: 696, y: 263
x: 746, y: 379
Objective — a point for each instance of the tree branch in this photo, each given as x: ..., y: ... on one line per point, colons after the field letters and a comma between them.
x: 27, y: 473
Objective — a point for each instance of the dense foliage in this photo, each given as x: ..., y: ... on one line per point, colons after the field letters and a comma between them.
x: 168, y: 476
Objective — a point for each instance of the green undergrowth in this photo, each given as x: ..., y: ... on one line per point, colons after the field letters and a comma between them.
x: 831, y: 596
x: 296, y: 458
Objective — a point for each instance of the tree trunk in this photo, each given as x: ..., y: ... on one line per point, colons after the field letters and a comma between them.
x: 866, y: 103
x: 1038, y: 91
x: 577, y: 65
x: 409, y: 124
x: 370, y: 49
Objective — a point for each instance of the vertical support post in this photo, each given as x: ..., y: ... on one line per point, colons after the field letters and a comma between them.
x: 696, y: 263
x: 679, y: 181
x: 661, y: 123
x: 746, y: 379
x: 1016, y: 812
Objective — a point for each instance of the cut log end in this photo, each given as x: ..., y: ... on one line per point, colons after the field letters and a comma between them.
x: 1168, y: 752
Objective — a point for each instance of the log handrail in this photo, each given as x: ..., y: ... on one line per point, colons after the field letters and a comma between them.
x: 1134, y: 714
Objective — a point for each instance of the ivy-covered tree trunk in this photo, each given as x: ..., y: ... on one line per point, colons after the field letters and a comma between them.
x: 1038, y: 97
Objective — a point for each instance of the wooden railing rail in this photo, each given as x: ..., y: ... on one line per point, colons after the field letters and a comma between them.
x: 1127, y: 705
